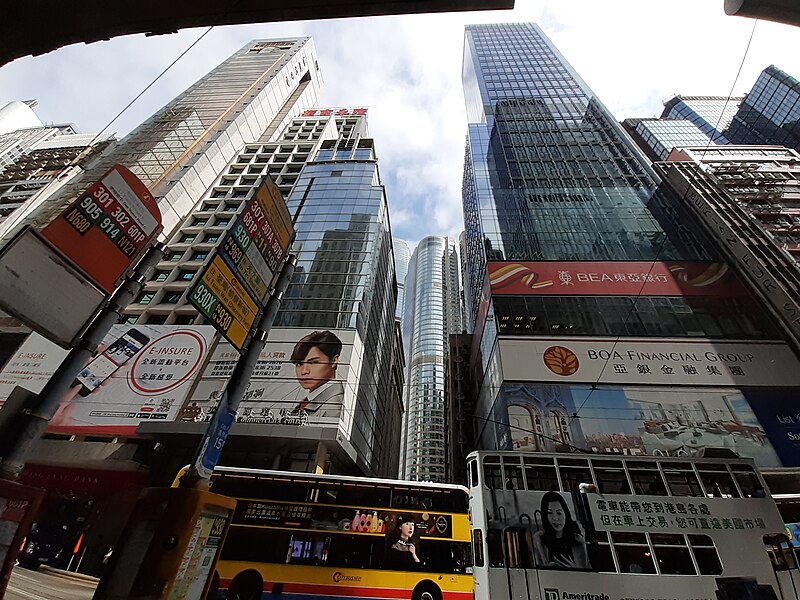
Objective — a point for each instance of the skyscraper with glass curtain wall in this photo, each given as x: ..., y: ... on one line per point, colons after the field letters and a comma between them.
x: 182, y: 148
x: 582, y: 266
x: 432, y: 313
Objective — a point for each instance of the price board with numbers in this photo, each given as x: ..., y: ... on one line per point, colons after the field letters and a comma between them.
x: 107, y: 228
x: 234, y: 285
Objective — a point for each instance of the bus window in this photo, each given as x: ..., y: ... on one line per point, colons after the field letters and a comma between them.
x: 600, y: 556
x: 540, y: 474
x: 574, y: 472
x: 494, y: 540
x: 717, y: 481
x: 611, y: 478
x: 513, y: 479
x: 682, y: 480
x: 749, y: 483
x: 672, y: 554
x: 473, y: 473
x: 646, y: 479
x: 633, y: 552
x: 444, y: 556
x: 519, y: 548
x: 705, y: 554
x: 477, y: 547
x: 492, y: 473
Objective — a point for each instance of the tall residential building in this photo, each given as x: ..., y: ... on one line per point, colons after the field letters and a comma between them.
x: 325, y: 163
x: 48, y: 162
x: 20, y: 129
x: 584, y: 266
x: 433, y: 312
x: 402, y: 255
x: 179, y: 152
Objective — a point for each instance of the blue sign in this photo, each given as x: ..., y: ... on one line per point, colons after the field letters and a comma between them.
x: 215, y: 439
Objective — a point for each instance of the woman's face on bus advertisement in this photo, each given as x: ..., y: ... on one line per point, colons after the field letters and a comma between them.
x: 407, y: 530
x: 556, y: 516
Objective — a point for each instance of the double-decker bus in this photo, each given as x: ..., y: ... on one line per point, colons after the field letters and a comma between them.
x: 604, y: 527
x: 305, y: 536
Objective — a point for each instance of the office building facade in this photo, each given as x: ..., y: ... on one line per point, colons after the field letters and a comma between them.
x: 433, y: 312
x: 179, y: 151
x: 584, y: 265
x: 345, y: 283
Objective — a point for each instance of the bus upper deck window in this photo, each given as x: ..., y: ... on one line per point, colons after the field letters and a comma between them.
x: 513, y: 473
x: 749, y: 483
x: 682, y: 480
x: 574, y: 472
x: 611, y: 477
x: 473, y: 473
x: 492, y: 473
x: 540, y: 474
x: 717, y: 481
x: 646, y: 479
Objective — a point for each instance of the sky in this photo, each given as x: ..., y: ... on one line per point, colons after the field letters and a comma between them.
x: 407, y: 71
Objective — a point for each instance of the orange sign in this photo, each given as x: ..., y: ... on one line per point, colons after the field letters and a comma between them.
x: 107, y: 228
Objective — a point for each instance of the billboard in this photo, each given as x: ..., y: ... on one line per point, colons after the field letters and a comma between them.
x: 637, y: 421
x: 644, y: 361
x: 141, y: 372
x: 613, y: 279
x: 303, y: 377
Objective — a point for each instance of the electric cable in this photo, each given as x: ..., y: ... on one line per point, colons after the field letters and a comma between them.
x: 698, y: 168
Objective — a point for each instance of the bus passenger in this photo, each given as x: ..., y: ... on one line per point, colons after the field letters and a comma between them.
x: 560, y: 544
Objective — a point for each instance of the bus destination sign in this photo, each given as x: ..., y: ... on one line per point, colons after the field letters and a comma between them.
x: 233, y: 287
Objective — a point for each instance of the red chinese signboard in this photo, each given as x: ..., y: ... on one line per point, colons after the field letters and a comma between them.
x: 613, y: 279
x: 107, y: 228
x: 330, y: 112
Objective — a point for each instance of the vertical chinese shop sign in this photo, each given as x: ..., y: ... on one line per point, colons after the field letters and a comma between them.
x: 107, y: 228
x: 233, y: 287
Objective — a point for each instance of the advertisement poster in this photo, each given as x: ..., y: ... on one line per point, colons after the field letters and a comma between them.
x: 613, y: 279
x: 636, y: 421
x: 303, y: 377
x: 650, y: 362
x: 141, y: 372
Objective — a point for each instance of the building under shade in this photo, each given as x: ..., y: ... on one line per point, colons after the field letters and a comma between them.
x: 583, y: 265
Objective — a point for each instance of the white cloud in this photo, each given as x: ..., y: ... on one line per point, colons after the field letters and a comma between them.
x: 407, y: 70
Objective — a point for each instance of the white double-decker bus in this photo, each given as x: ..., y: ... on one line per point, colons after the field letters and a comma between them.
x: 602, y: 527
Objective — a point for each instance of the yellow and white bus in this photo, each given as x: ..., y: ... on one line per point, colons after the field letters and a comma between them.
x: 595, y: 527
x: 309, y: 537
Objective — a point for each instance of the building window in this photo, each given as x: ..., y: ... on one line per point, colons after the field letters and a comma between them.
x: 146, y: 297
x: 184, y: 319
x: 199, y: 255
x: 171, y: 298
x: 186, y: 275
x: 161, y: 275
x: 222, y: 222
x: 199, y: 221
x: 157, y: 319
x: 211, y: 238
x: 174, y: 256
x: 187, y: 238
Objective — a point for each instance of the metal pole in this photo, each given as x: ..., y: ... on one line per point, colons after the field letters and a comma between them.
x: 61, y: 381
x: 240, y: 378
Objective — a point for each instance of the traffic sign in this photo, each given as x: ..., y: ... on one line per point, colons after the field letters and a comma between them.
x: 107, y: 228
x: 233, y: 287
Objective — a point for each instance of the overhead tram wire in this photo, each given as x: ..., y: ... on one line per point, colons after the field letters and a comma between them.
x: 664, y: 240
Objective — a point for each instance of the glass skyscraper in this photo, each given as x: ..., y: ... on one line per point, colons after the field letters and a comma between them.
x: 179, y: 151
x: 325, y: 164
x: 432, y: 313
x: 583, y: 266
x: 402, y: 255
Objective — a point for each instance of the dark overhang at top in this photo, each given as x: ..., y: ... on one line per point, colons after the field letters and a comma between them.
x: 780, y: 11
x: 39, y: 26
